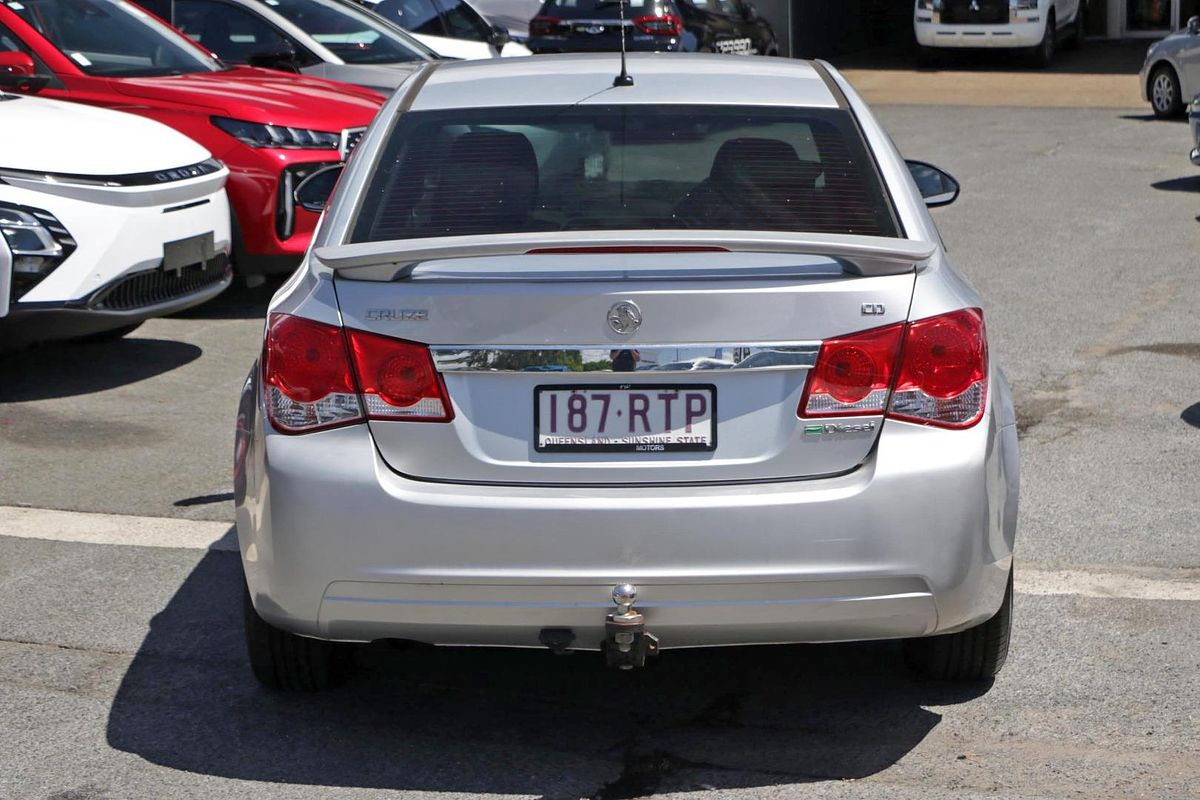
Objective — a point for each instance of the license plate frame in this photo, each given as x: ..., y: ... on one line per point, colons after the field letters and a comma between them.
x: 627, y: 447
x: 194, y: 251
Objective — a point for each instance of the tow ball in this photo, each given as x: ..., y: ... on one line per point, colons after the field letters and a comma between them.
x: 626, y: 643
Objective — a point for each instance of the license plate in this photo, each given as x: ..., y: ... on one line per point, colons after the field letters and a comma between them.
x: 592, y: 29
x: 190, y: 252
x: 641, y: 418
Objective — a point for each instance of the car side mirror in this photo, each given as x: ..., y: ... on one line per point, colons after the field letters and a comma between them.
x: 17, y: 73
x: 500, y: 36
x: 313, y: 192
x: 1193, y: 25
x: 278, y: 58
x: 750, y: 12
x: 26, y: 84
x: 937, y: 186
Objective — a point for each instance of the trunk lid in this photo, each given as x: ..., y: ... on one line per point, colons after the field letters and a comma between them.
x: 742, y: 328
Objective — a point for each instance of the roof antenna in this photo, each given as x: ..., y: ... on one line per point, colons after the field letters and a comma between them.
x: 624, y: 79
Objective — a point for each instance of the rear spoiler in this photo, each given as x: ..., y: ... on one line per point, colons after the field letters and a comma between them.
x: 397, y: 259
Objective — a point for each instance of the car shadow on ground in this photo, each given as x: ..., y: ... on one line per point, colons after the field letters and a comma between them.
x: 1191, y: 415
x: 236, y: 302
x: 1150, y: 117
x: 520, y: 722
x: 70, y: 368
x: 1190, y: 183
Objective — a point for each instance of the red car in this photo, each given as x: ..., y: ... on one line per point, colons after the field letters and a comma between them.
x: 272, y: 129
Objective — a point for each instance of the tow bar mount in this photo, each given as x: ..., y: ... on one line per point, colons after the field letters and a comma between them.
x: 626, y: 643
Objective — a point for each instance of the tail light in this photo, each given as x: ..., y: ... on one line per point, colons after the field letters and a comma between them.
x: 853, y: 374
x: 398, y: 379
x: 666, y: 25
x: 934, y: 370
x: 309, y: 381
x: 314, y: 380
x: 544, y: 26
x: 943, y: 372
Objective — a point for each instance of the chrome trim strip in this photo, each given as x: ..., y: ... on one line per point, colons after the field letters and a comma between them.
x: 209, y: 166
x: 6, y: 261
x: 569, y: 360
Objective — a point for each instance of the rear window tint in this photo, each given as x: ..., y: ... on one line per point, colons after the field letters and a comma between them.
x: 476, y: 171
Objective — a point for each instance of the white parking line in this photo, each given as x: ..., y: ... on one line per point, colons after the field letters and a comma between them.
x: 88, y: 528
x: 114, y: 529
x: 1181, y: 585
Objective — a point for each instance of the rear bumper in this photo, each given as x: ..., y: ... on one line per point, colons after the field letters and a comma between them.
x: 336, y: 545
x: 1020, y: 34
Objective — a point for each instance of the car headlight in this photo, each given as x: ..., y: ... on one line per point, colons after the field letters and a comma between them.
x: 38, y: 241
x: 257, y: 134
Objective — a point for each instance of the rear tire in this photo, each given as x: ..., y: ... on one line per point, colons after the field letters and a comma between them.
x: 287, y: 662
x: 1166, y: 96
x: 975, y: 654
x: 1043, y: 54
x: 1077, y: 29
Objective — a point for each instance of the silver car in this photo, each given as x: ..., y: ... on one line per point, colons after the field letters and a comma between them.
x: 1170, y: 75
x: 334, y: 39
x: 448, y: 439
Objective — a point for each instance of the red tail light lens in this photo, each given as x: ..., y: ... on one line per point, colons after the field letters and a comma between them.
x: 943, y: 371
x: 308, y: 380
x: 544, y: 26
x: 853, y: 374
x: 666, y: 25
x: 314, y: 381
x: 934, y: 369
x: 398, y: 379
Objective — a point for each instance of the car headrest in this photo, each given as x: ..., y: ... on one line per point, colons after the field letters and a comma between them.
x: 489, y: 179
x: 758, y: 161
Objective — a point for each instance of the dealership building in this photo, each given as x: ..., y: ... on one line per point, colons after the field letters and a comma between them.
x: 825, y: 28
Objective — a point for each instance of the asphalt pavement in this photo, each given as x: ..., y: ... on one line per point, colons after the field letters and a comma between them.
x: 121, y: 668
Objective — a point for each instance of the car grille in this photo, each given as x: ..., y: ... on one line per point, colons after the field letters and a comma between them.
x: 975, y: 12
x: 156, y: 286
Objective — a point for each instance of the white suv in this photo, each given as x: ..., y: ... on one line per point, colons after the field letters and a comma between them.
x: 97, y: 237
x: 1036, y: 25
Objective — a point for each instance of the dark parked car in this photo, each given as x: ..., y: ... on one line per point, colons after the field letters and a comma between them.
x: 707, y: 26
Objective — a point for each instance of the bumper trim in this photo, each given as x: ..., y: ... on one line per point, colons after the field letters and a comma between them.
x: 681, y: 614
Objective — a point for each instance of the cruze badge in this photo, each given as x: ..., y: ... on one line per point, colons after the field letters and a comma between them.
x: 625, y: 318
x: 398, y: 314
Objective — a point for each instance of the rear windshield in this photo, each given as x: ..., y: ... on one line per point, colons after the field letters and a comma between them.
x: 574, y: 9
x: 581, y: 168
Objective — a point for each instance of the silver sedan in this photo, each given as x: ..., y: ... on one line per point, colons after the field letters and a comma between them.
x: 451, y: 437
x: 1170, y: 75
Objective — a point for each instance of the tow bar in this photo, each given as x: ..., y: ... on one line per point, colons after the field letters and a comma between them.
x: 626, y: 643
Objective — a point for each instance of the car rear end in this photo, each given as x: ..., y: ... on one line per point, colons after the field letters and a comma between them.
x: 414, y: 461
x: 97, y: 253
x: 979, y: 23
x: 591, y: 26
